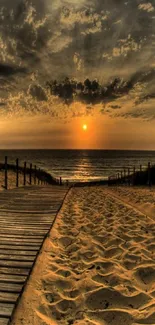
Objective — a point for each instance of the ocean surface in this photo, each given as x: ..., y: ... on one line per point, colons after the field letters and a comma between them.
x: 80, y: 165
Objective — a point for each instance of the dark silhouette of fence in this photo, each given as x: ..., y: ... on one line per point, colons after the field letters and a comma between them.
x: 134, y: 176
x: 31, y: 174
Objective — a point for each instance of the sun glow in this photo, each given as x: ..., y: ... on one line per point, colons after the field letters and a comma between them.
x: 84, y: 127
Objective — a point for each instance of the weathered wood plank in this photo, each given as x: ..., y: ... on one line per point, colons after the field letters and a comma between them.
x: 10, y: 287
x: 30, y: 211
x: 20, y: 243
x: 13, y: 257
x: 18, y: 253
x: 12, y: 278
x: 2, y: 236
x: 8, y: 297
x: 14, y: 271
x: 4, y: 321
x: 20, y: 248
x: 18, y: 264
x: 20, y: 240
x: 26, y: 215
x: 6, y: 309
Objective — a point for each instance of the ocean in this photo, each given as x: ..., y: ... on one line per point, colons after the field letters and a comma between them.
x: 80, y: 165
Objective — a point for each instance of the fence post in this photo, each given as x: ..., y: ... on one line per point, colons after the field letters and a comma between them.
x: 149, y: 174
x: 30, y: 174
x: 38, y: 176
x: 140, y: 168
x: 121, y: 176
x: 124, y: 175
x: 6, y: 173
x: 17, y: 172
x: 24, y: 174
x: 128, y: 176
x: 35, y: 170
x: 134, y: 171
x: 60, y: 181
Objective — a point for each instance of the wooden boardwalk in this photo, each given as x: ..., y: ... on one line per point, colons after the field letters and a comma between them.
x: 26, y: 216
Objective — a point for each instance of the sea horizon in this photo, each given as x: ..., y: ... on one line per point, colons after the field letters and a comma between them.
x: 83, y: 165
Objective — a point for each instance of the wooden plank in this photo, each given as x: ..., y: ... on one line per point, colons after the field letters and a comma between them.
x: 20, y: 240
x: 11, y: 287
x: 6, y: 309
x: 8, y: 297
x: 35, y: 221
x: 14, y: 271
x: 20, y: 248
x: 23, y: 227
x: 2, y: 236
x: 17, y: 252
x: 4, y: 321
x: 20, y: 243
x: 30, y: 211
x: 18, y: 264
x: 13, y: 257
x: 12, y: 278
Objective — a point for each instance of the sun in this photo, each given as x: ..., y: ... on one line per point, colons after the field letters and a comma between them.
x: 84, y: 127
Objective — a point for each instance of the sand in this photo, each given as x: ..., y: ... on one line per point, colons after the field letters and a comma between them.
x: 98, y: 264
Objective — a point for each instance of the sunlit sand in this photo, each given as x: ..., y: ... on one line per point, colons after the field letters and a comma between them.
x: 98, y: 264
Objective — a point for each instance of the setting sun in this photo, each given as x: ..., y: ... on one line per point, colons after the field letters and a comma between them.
x: 84, y: 127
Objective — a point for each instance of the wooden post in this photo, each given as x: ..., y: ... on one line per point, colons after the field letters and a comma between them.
x: 60, y: 181
x: 6, y: 173
x: 134, y: 171
x: 149, y: 174
x: 128, y: 176
x: 38, y: 176
x: 35, y: 171
x: 30, y: 174
x: 124, y: 175
x: 140, y: 168
x: 17, y: 172
x: 121, y: 176
x: 24, y: 182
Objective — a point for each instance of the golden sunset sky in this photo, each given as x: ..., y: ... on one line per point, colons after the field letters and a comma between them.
x: 68, y: 63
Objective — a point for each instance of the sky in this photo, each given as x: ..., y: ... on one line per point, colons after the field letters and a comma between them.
x: 65, y: 63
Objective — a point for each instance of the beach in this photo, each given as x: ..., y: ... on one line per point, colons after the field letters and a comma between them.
x: 97, y: 265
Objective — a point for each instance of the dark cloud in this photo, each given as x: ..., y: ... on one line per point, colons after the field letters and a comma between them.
x: 109, y: 41
x: 89, y: 92
x: 37, y: 92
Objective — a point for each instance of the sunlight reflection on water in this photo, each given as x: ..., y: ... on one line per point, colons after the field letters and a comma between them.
x: 80, y: 165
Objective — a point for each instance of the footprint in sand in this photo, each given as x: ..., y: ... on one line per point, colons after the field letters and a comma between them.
x: 112, y: 317
x: 108, y: 298
x: 145, y: 276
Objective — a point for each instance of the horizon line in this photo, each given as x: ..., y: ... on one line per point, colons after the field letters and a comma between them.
x: 82, y: 149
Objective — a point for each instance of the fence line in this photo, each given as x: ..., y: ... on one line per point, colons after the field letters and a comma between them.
x: 134, y: 176
x: 31, y: 174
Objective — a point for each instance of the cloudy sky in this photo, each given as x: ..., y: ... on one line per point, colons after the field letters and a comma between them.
x: 67, y: 62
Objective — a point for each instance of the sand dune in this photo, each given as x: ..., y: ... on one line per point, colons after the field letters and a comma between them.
x: 96, y: 267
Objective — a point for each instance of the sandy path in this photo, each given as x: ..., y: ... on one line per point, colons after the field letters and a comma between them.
x: 97, y: 266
